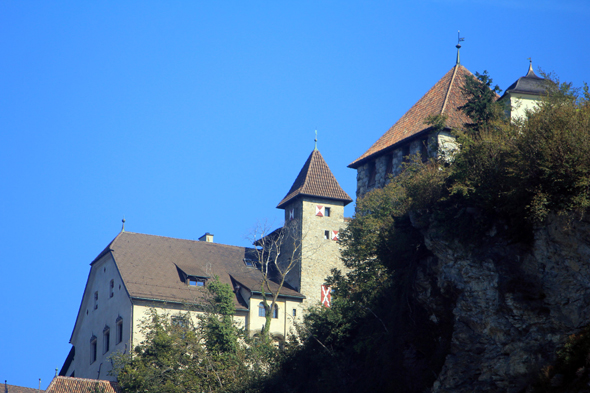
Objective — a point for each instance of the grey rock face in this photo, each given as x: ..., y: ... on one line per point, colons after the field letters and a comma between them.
x: 513, y: 305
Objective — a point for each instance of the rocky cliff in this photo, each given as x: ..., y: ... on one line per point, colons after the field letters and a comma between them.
x: 499, y: 310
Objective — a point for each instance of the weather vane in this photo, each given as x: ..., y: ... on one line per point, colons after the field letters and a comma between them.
x: 459, y: 39
x: 316, y: 140
x: 458, y: 46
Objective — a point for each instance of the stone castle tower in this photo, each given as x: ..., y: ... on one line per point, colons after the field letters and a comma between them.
x: 314, y: 215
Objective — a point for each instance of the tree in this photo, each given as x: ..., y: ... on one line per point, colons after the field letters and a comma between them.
x: 179, y: 356
x: 217, y: 324
x: 277, y: 254
x: 481, y: 106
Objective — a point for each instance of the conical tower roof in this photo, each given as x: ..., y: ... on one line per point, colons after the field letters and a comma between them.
x: 317, y: 180
x: 442, y: 99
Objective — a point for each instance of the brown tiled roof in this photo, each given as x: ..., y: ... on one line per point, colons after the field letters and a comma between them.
x: 443, y: 98
x: 81, y: 385
x: 316, y: 179
x: 151, y: 266
x: 18, y: 389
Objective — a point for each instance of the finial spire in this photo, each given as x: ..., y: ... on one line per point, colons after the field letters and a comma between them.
x: 458, y: 46
x: 316, y: 140
x: 123, y: 227
x: 530, y: 67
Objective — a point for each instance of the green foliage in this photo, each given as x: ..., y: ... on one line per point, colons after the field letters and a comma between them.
x: 376, y: 337
x: 570, y: 367
x: 554, y: 155
x: 168, y: 360
x: 481, y: 106
x: 217, y: 325
x: 213, y: 356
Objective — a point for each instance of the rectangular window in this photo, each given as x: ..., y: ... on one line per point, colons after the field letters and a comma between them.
x: 327, y: 212
x: 92, y: 350
x: 119, y: 330
x: 424, y: 150
x: 95, y: 300
x: 112, y: 288
x: 327, y: 235
x: 196, y: 282
x: 372, y: 174
x: 389, y: 166
x: 406, y: 153
x: 179, y: 321
x: 106, y: 339
x: 294, y: 312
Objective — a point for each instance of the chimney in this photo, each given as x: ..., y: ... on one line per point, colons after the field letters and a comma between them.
x: 207, y: 237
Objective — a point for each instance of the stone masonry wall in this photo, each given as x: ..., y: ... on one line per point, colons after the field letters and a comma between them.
x: 318, y: 254
x: 396, y: 158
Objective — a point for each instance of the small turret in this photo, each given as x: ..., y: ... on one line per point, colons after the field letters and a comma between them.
x: 314, y: 209
x: 525, y: 93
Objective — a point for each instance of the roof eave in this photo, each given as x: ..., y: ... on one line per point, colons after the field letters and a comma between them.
x: 356, y: 164
x: 302, y: 194
x: 280, y: 295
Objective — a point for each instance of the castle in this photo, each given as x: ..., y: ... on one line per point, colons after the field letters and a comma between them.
x: 136, y: 272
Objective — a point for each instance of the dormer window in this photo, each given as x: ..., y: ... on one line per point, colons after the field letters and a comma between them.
x: 249, y: 262
x: 196, y: 281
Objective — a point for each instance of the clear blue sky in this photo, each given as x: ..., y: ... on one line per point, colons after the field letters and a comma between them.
x: 187, y: 117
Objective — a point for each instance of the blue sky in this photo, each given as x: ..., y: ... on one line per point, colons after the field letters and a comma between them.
x: 188, y: 117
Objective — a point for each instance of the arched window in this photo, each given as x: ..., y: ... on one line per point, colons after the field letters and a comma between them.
x: 275, y: 312
x: 261, y: 310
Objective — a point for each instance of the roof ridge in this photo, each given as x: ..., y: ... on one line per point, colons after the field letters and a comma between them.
x: 449, y: 89
x: 83, y: 379
x: 187, y: 240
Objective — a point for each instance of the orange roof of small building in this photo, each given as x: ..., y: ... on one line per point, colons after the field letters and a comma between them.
x: 442, y: 99
x: 316, y: 179
x: 6, y: 388
x: 62, y: 384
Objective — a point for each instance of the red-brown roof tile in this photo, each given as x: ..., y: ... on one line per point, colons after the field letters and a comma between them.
x: 18, y: 389
x: 443, y: 98
x: 81, y: 385
x: 316, y: 179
